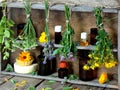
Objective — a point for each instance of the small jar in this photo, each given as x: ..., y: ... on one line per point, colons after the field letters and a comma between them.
x: 20, y: 28
x: 63, y: 70
x: 58, y: 36
x: 84, y: 41
x: 93, y: 34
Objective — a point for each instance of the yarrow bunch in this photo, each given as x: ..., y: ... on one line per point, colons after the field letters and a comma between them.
x: 102, y: 55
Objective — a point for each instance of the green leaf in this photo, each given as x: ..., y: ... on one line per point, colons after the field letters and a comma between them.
x: 31, y: 88
x: 33, y: 73
x: 6, y: 33
x: 55, y: 52
x: 10, y: 23
x: 48, y: 88
x: 13, y: 81
x: 9, y: 68
x: 67, y: 88
x: 50, y: 82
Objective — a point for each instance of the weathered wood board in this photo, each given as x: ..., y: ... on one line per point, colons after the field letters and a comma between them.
x: 29, y: 82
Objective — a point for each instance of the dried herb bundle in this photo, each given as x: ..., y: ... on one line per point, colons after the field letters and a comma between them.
x: 27, y: 39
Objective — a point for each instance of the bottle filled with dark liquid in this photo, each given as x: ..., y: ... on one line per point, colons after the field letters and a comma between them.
x: 46, y: 68
x: 58, y: 35
x: 63, y: 70
x: 20, y: 28
x: 93, y: 34
x: 85, y: 75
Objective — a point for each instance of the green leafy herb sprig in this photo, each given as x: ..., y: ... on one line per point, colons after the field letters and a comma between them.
x: 6, y: 34
x: 69, y: 47
x: 27, y: 39
x: 102, y: 55
x: 48, y: 46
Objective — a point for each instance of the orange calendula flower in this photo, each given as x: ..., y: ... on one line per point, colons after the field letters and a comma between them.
x: 24, y: 59
x: 25, y: 56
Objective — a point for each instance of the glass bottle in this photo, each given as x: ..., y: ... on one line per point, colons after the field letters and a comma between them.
x: 20, y: 28
x: 58, y: 35
x: 85, y: 75
x: 49, y: 67
x: 93, y: 34
x: 84, y: 41
x: 63, y: 70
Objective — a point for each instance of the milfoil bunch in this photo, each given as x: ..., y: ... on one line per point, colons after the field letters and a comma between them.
x: 68, y: 49
x: 27, y: 39
x: 103, y: 54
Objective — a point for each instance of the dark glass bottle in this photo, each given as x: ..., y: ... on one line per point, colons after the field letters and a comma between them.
x: 63, y: 70
x: 20, y: 28
x: 58, y: 35
x: 85, y: 75
x: 49, y: 67
x: 93, y: 34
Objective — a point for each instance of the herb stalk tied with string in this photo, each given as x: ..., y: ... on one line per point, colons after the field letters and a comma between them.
x: 27, y: 39
x: 6, y: 34
x: 102, y: 55
x: 48, y: 46
x: 69, y: 47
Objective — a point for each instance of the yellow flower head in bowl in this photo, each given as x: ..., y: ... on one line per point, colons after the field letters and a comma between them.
x: 24, y: 59
x: 43, y: 38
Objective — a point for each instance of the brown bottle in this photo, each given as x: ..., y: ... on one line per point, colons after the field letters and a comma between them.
x: 20, y: 28
x: 85, y: 75
x: 63, y: 70
x: 93, y: 34
x: 58, y: 36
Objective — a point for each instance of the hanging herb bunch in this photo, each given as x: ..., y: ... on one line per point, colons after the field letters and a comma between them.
x: 27, y: 39
x: 6, y: 34
x: 68, y: 50
x: 44, y: 39
x: 103, y: 54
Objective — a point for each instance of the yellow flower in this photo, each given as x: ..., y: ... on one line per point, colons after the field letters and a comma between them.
x: 43, y: 38
x: 97, y: 65
x: 25, y: 56
x: 96, y: 58
x: 103, y: 78
x: 86, y: 67
x: 110, y: 64
x: 90, y: 55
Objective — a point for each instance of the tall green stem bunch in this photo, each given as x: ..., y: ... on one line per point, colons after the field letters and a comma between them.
x: 102, y: 55
x: 27, y: 39
x: 48, y: 46
x: 69, y: 47
x: 6, y: 34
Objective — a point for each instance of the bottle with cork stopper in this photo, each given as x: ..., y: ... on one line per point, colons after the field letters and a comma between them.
x: 58, y: 36
x: 84, y: 41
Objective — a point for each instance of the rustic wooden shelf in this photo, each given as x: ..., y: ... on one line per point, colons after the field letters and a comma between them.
x: 110, y: 84
x: 60, y: 7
